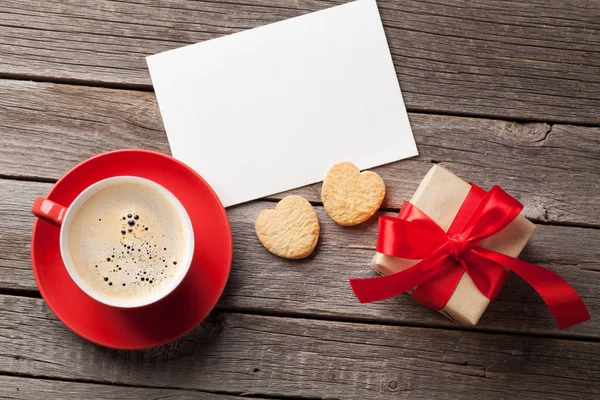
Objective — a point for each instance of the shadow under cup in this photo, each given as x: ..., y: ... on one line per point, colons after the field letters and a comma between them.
x: 84, y: 235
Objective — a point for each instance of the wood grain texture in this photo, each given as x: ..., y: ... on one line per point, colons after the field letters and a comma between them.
x: 318, y: 286
x: 46, y: 128
x: 532, y: 59
x: 257, y: 355
x: 552, y: 169
x: 20, y: 388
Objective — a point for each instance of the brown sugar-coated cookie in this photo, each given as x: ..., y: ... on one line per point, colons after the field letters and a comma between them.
x: 350, y: 196
x: 291, y: 230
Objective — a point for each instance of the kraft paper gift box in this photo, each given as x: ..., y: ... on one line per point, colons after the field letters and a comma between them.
x: 440, y: 195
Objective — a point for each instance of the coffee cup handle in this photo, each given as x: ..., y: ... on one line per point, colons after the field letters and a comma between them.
x: 49, y: 211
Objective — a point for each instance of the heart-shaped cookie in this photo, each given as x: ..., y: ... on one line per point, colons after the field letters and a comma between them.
x: 291, y: 230
x: 350, y: 196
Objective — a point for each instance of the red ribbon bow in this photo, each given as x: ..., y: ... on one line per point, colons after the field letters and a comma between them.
x: 447, y: 255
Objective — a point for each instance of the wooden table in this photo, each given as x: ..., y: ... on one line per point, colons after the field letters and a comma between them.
x: 498, y: 91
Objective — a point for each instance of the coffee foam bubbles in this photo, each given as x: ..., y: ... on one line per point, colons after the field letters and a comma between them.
x: 126, y: 242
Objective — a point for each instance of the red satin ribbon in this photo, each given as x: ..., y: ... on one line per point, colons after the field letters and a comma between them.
x: 447, y: 255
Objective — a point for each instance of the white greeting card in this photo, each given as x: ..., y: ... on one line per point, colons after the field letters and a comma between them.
x: 273, y: 108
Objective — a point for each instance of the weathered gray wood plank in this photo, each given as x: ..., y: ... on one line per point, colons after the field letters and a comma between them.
x: 45, y: 129
x: 20, y: 388
x: 528, y: 59
x: 256, y: 355
x: 318, y: 286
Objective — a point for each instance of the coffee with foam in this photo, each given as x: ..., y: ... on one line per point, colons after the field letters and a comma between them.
x: 127, y: 242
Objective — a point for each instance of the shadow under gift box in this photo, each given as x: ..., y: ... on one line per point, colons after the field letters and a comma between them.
x: 440, y: 196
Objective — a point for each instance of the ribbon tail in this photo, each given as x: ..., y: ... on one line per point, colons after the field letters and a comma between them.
x: 562, y: 300
x: 368, y: 290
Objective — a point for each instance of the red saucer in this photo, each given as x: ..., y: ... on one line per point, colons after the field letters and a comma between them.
x: 176, y: 314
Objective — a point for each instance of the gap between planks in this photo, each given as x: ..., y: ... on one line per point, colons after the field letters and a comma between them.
x: 379, y: 322
x: 261, y: 312
x: 43, y: 380
x: 275, y: 199
x: 414, y: 110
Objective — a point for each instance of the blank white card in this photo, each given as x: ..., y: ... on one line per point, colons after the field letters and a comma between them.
x: 273, y: 108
